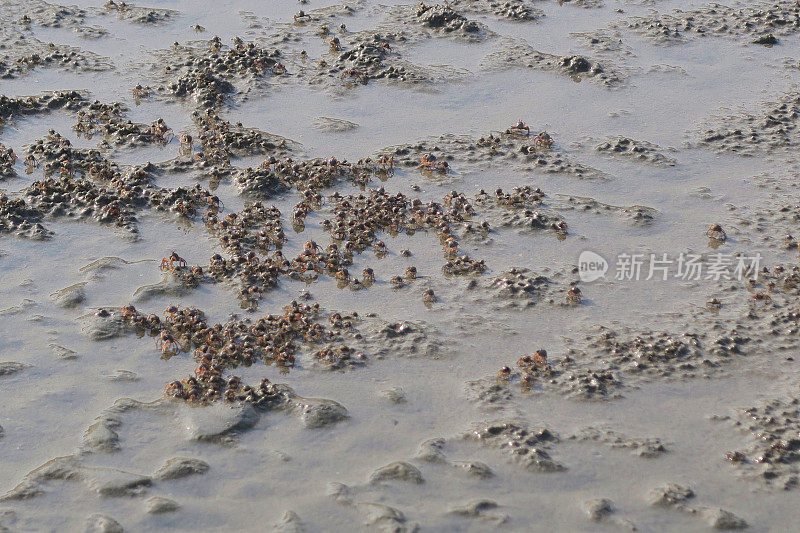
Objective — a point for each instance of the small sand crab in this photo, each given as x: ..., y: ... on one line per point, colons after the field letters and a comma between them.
x: 166, y: 343
x: 369, y: 275
x: 543, y: 139
x: 715, y: 232
x: 736, y: 457
x: 427, y: 160
x: 520, y: 128
x: 428, y: 296
x: 160, y: 130
x: 574, y: 295
x: 335, y: 44
x: 128, y: 311
x: 355, y: 74
x: 762, y: 296
x: 174, y: 260
x: 504, y: 373
x: 186, y: 142
x: 386, y: 161
x: 411, y: 272
x: 540, y: 357
x: 139, y: 91
x: 30, y: 163
x: 279, y: 68
x: 312, y: 247
x: 284, y: 359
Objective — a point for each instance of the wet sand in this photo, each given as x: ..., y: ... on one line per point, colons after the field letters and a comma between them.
x: 298, y: 266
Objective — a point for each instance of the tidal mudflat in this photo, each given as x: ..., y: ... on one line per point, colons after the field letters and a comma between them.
x: 379, y: 265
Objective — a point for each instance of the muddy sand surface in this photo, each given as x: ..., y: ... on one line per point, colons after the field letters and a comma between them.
x: 327, y: 266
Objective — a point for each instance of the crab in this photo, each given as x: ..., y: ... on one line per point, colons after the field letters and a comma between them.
x: 284, y: 359
x: 715, y: 232
x: 543, y: 139
x: 279, y: 68
x: 540, y: 357
x: 428, y: 296
x: 504, y: 373
x: 369, y: 275
x: 166, y: 343
x: 169, y: 263
x: 312, y: 247
x: 268, y: 162
x: 128, y: 311
x: 186, y: 142
x: 428, y: 160
x: 160, y: 130
x: 335, y: 44
x: 139, y: 91
x: 762, y: 296
x: 574, y: 295
x: 520, y: 128
x: 386, y: 161
x: 411, y: 272
x: 353, y: 73
x: 174, y: 389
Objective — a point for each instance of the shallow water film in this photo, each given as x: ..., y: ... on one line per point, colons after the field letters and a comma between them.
x: 331, y: 265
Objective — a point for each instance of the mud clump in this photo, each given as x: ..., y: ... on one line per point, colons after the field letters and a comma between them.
x: 746, y: 21
x: 522, y: 55
x: 181, y: 467
x: 209, y: 73
x: 480, y: 509
x: 637, y: 215
x: 526, y: 446
x: 18, y: 217
x: 447, y: 20
x: 641, y: 447
x: 10, y: 108
x: 774, y: 455
x: 397, y: 471
x: 633, y: 149
x: 70, y: 297
x: 98, y: 523
x: 678, y: 497
x: 8, y: 368
x: 218, y: 421
x: 259, y: 183
x: 103, y: 324
x: 7, y: 161
x: 159, y: 505
x: 516, y: 288
x: 522, y: 151
x: 139, y: 15
x: 517, y: 10
x: 775, y: 127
